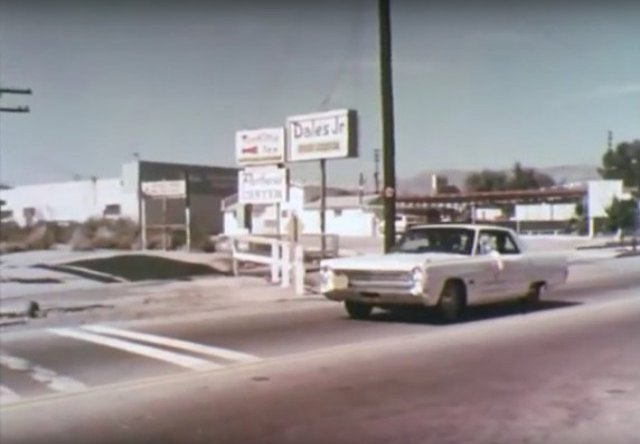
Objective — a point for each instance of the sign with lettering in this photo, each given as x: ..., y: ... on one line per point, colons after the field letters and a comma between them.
x: 260, y: 146
x: 264, y: 185
x: 165, y: 188
x: 327, y: 135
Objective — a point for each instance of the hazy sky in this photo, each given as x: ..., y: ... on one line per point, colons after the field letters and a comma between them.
x: 484, y: 86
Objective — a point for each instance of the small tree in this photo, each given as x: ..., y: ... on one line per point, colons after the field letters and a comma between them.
x: 486, y: 180
x: 621, y: 215
x: 578, y: 222
x: 519, y: 178
x: 622, y: 163
x: 528, y: 178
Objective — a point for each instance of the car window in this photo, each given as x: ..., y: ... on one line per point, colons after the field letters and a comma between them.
x: 499, y: 241
x: 442, y: 240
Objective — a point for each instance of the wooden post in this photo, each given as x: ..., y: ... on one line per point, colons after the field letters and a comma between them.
x: 187, y: 210
x: 299, y: 269
x: 323, y: 207
x: 164, y: 223
x: 143, y: 221
x: 278, y: 220
x: 275, y: 261
x: 388, y: 127
x: 188, y: 226
x: 234, y: 261
x: 286, y: 264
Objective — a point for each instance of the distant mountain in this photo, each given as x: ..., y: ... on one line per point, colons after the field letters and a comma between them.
x: 421, y: 183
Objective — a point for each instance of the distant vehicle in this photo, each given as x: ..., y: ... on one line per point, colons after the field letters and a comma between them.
x: 447, y: 267
x: 403, y: 222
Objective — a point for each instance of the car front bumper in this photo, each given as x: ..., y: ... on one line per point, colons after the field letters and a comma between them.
x: 379, y: 298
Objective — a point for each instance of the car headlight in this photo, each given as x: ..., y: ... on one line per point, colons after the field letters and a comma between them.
x: 418, y: 278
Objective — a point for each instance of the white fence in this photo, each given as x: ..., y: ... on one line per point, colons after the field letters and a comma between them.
x: 285, y: 259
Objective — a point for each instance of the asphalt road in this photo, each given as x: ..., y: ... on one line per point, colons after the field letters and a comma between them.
x: 570, y: 370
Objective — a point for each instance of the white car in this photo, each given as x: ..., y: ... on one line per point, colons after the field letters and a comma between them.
x: 449, y: 267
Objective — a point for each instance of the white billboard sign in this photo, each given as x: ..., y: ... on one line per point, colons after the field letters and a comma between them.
x: 601, y: 194
x: 260, y: 146
x: 262, y: 185
x: 327, y: 135
x: 165, y: 188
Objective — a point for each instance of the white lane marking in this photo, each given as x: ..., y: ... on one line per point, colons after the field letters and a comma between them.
x: 143, y: 350
x: 8, y: 396
x: 218, y: 352
x: 44, y: 375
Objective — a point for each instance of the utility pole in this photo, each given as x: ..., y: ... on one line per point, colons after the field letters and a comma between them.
x: 388, y: 139
x: 610, y: 140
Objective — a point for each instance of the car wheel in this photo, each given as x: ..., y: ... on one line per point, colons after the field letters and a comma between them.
x: 358, y: 310
x: 452, y: 302
x: 532, y: 299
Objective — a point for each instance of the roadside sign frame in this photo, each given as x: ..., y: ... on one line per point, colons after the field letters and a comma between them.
x: 328, y: 135
x: 283, y: 186
x: 268, y: 146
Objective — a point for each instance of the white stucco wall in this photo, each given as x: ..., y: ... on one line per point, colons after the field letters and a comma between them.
x: 346, y: 222
x: 488, y: 214
x: 545, y: 212
x: 68, y: 201
x: 600, y: 196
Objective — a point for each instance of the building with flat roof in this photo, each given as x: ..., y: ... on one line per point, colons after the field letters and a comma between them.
x: 79, y: 200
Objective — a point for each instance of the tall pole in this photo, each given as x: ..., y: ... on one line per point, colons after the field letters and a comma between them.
x: 376, y: 171
x: 388, y: 140
x: 323, y: 207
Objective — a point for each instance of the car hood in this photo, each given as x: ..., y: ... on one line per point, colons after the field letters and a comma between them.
x: 390, y: 262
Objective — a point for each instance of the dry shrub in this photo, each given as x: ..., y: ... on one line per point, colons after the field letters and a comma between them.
x: 40, y: 237
x: 11, y: 232
x: 120, y: 234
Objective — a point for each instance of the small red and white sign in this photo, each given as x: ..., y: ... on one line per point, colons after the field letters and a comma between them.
x: 260, y: 146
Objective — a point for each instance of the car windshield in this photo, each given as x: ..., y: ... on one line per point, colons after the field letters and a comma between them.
x: 436, y: 240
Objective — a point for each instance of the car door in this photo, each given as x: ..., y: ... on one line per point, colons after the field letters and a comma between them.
x: 504, y: 276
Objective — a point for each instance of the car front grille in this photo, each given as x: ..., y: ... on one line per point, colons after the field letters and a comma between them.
x: 372, y: 280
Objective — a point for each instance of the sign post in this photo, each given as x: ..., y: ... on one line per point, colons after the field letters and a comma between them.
x: 265, y: 148
x: 163, y: 190
x: 323, y: 207
x: 321, y: 136
x: 164, y: 222
x: 143, y: 220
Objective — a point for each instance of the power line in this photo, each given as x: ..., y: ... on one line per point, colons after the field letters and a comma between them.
x: 16, y: 109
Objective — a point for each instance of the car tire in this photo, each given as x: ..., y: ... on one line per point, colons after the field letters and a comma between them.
x: 358, y: 310
x: 452, y: 302
x: 532, y: 299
